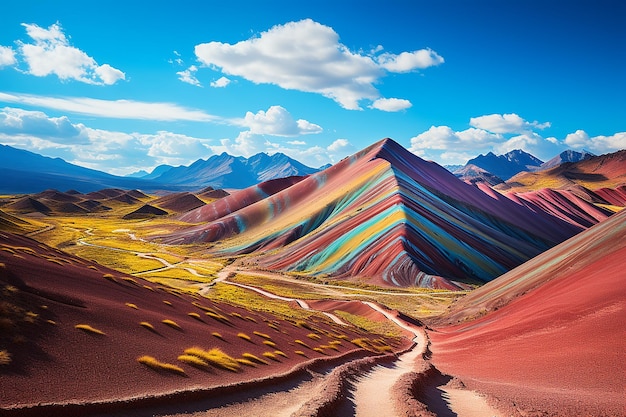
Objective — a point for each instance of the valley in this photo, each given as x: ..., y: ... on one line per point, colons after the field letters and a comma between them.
x: 381, y: 286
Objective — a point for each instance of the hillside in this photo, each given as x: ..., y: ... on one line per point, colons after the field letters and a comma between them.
x: 561, y: 316
x: 435, y: 230
x: 73, y: 333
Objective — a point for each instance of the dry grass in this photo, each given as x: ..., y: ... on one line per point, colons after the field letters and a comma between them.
x: 167, y: 303
x: 280, y: 353
x: 147, y: 325
x: 244, y: 337
x: 271, y: 355
x: 131, y: 305
x: 299, y: 352
x: 5, y: 357
x: 254, y: 358
x: 215, y: 357
x: 263, y: 335
x: 157, y: 365
x: 320, y: 350
x: 300, y: 342
x: 194, y: 361
x: 88, y: 329
x: 313, y: 336
x: 269, y: 343
x: 195, y: 316
x: 218, y: 317
x: 218, y: 335
x: 246, y: 362
x: 172, y: 324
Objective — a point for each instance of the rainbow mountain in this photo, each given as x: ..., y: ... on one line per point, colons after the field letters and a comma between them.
x: 388, y: 217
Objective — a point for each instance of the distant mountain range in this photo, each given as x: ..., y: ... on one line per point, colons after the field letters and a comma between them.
x: 23, y: 172
x: 494, y: 169
x: 227, y: 171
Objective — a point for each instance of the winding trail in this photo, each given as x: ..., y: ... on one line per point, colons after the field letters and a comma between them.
x: 370, y: 392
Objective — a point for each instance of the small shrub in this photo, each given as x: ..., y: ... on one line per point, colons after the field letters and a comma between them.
x: 269, y: 343
x: 329, y: 346
x: 252, y: 319
x: 168, y: 303
x: 131, y: 280
x: 280, y: 353
x: 131, y: 305
x: 301, y: 353
x: 92, y: 267
x: 216, y: 334
x: 147, y: 287
x: 172, y: 324
x: 218, y: 317
x: 155, y: 364
x: 244, y: 337
x: 87, y: 328
x: 52, y: 322
x: 254, y: 358
x: 273, y: 326
x: 313, y: 336
x: 235, y: 314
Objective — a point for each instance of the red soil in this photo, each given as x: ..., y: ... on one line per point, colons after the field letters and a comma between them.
x: 179, y: 202
x: 53, y: 362
x: 551, y: 335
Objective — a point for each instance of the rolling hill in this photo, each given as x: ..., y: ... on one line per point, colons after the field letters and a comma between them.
x: 433, y: 229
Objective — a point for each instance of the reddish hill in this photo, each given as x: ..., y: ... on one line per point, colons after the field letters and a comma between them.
x: 433, y: 229
x: 548, y: 335
x: 178, y: 202
x: 46, y: 360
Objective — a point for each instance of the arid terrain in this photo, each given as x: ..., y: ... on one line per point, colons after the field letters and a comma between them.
x: 382, y: 286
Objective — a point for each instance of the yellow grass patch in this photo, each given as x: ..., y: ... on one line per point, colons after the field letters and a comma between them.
x: 131, y: 305
x: 157, y: 365
x: 215, y: 357
x: 87, y: 328
x: 254, y: 358
x: 172, y: 324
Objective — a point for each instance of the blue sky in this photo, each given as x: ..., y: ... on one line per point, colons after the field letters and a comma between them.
x: 121, y: 86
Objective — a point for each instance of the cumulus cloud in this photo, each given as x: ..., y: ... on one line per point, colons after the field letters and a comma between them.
x: 506, y: 123
x: 220, y: 82
x: 50, y: 53
x: 22, y: 122
x: 409, y: 61
x: 598, y: 144
x: 501, y: 134
x: 118, y: 109
x: 189, y: 76
x: 277, y: 121
x: 7, y: 56
x: 391, y: 104
x: 307, y: 56
x: 110, y: 151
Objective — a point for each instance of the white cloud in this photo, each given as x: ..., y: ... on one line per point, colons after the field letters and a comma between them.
x: 409, y: 61
x: 188, y: 76
x: 306, y: 56
x: 598, y: 144
x: 220, y: 82
x: 109, y: 151
x: 527, y: 142
x: 296, y: 142
x: 506, y: 123
x: 23, y: 122
x: 391, y: 104
x: 277, y: 121
x: 51, y: 53
x: 338, y: 145
x: 118, y: 109
x: 7, y: 56
x: 444, y: 138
